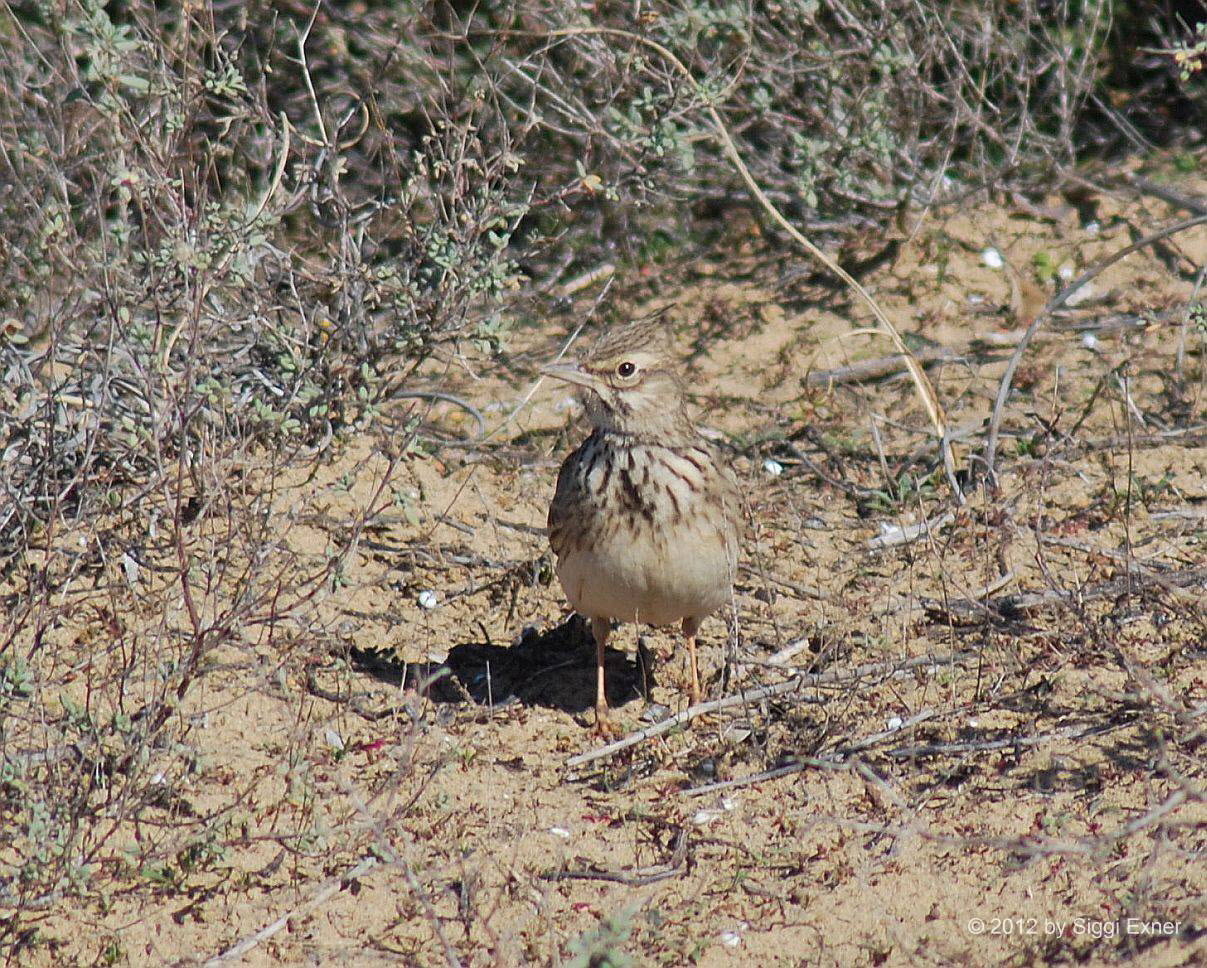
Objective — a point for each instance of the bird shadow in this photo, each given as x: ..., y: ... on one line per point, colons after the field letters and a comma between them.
x: 554, y: 668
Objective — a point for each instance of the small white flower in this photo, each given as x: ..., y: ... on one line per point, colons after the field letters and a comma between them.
x: 560, y: 832
x: 1066, y: 272
x: 895, y: 722
x: 1092, y: 228
x: 773, y: 467
x: 1089, y: 341
x: 992, y: 258
x: 428, y: 599
x: 731, y: 939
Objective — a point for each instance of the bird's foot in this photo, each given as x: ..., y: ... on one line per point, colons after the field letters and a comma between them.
x: 605, y: 727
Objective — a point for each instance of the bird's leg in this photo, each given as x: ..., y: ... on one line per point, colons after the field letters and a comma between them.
x: 690, y: 627
x: 601, y: 628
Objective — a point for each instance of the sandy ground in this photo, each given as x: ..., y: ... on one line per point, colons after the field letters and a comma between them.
x: 1031, y: 794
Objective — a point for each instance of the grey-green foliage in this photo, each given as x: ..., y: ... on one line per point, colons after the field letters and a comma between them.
x: 603, y: 946
x: 201, y: 250
x: 840, y: 109
x: 207, y: 253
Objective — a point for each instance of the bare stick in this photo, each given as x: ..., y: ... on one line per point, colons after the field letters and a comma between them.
x: 1010, y: 606
x: 1188, y: 202
x: 902, y: 535
x: 1035, y: 846
x: 638, y: 878
x: 437, y: 396
x: 332, y: 887
x: 788, y: 769
x: 830, y: 761
x: 874, y: 369
x: 1009, y: 743
x: 832, y: 677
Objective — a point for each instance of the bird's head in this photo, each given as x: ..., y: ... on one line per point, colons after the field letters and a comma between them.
x: 628, y: 382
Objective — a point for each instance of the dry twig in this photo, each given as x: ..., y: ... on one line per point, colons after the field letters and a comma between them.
x: 637, y: 878
x: 788, y: 686
x: 836, y: 760
x: 330, y: 888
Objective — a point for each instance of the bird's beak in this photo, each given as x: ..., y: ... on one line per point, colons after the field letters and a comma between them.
x: 571, y: 372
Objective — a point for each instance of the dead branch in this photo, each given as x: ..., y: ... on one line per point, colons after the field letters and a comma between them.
x: 1012, y: 606
x: 831, y: 761
x: 1008, y: 743
x: 901, y: 535
x: 329, y: 889
x: 1186, y: 202
x: 638, y: 878
x: 746, y: 697
x: 877, y: 368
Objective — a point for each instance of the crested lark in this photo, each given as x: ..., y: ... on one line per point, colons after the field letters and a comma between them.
x: 645, y: 521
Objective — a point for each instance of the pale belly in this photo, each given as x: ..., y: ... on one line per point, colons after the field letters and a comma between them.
x: 649, y: 579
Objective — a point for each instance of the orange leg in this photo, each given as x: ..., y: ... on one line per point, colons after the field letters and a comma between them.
x: 690, y: 627
x: 601, y: 628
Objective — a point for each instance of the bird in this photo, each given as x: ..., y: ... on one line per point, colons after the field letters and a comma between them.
x: 645, y: 522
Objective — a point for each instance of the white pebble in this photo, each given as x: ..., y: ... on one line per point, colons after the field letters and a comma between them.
x: 890, y: 532
x: 130, y: 567
x: 1089, y: 341
x: 992, y: 258
x: 731, y: 939
x: 560, y: 832
x: 894, y: 722
x: 734, y: 733
x: 702, y: 818
x: 428, y: 599
x: 334, y: 740
x: 1079, y: 295
x: 773, y: 467
x: 1066, y: 272
x: 1092, y: 228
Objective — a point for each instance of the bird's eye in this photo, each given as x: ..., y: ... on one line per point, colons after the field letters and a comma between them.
x: 626, y: 370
